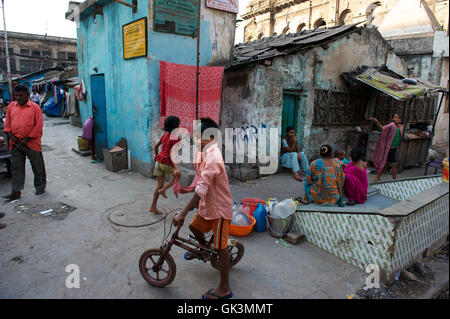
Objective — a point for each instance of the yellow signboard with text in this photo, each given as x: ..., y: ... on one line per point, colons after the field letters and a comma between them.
x: 135, y: 39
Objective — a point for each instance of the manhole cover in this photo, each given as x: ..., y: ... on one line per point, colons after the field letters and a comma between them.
x: 58, y: 210
x: 134, y: 215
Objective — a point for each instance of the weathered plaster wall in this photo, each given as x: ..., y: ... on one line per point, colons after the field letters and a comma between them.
x: 417, y: 56
x: 126, y: 82
x: 441, y: 130
x: 304, y: 72
x: 307, y: 12
x: 132, y: 86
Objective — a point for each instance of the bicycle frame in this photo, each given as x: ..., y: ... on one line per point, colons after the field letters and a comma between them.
x: 183, y: 243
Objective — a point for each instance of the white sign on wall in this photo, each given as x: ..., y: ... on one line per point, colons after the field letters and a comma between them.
x: 224, y: 5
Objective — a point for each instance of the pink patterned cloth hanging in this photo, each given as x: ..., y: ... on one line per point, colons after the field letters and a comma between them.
x: 177, y: 188
x: 177, y: 91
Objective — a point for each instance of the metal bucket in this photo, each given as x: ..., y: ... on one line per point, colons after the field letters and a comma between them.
x: 280, y: 227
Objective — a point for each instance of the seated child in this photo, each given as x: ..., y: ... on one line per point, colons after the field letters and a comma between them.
x: 340, y: 155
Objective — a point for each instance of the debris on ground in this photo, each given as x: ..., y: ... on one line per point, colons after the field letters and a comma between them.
x: 19, y: 259
x: 409, y: 283
x: 58, y: 210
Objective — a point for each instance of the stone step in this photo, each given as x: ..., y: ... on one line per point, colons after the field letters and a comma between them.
x: 245, y: 173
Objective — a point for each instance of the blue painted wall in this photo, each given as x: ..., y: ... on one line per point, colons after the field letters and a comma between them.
x: 132, y: 86
x: 100, y: 46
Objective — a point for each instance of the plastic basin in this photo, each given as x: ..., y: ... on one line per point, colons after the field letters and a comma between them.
x: 242, y: 231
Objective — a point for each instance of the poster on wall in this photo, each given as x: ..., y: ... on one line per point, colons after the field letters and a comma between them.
x: 224, y: 5
x: 176, y: 16
x: 135, y: 39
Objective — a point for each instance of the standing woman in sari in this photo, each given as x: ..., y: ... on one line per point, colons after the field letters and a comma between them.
x: 324, y: 181
x: 356, y: 184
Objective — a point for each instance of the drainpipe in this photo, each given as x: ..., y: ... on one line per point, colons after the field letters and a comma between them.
x: 310, y: 14
x: 8, y: 67
x: 336, y: 16
x: 272, y: 19
x: 198, y: 59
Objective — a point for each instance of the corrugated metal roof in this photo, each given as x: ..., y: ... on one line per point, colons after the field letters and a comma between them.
x: 269, y: 47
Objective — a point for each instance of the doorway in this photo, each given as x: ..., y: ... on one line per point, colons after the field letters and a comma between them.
x: 289, y: 113
x: 99, y: 114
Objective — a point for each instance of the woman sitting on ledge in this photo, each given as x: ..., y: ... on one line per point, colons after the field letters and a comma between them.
x: 356, y: 184
x: 291, y: 155
x: 324, y: 181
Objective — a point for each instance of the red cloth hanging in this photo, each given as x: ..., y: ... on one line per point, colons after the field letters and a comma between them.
x: 178, y: 88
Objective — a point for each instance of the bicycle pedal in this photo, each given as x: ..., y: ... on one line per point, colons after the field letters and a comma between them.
x: 232, y: 242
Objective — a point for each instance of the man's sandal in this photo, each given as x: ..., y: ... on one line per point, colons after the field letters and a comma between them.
x: 210, y: 293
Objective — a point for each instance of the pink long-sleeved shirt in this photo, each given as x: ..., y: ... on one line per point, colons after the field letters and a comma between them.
x: 213, y: 186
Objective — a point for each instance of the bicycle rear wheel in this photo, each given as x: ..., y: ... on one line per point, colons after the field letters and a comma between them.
x: 157, y: 277
x: 235, y: 251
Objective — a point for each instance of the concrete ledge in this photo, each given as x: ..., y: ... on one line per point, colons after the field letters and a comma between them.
x: 409, y: 206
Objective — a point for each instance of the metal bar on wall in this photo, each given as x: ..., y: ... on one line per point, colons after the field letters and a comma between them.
x: 126, y: 4
x: 198, y: 60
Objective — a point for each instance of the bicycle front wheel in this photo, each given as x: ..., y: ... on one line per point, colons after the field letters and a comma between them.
x: 157, y: 277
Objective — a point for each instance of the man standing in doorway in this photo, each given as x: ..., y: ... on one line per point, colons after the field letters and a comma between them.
x: 24, y: 127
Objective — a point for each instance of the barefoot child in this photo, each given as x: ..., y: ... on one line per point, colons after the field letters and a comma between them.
x: 213, y: 197
x: 163, y: 162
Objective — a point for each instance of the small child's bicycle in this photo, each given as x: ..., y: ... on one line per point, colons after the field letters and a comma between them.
x: 158, y: 267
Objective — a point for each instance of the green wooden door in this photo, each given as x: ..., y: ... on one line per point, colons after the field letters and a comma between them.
x: 289, y: 117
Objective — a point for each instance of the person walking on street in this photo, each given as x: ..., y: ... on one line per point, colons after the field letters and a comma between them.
x: 24, y: 125
x: 35, y: 97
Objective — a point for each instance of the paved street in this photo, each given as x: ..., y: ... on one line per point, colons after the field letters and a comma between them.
x: 35, y: 249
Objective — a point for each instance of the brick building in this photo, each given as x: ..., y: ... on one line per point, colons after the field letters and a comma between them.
x: 29, y: 53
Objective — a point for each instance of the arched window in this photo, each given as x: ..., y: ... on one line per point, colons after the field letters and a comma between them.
x: 343, y: 16
x: 319, y: 23
x: 274, y: 34
x: 300, y: 27
x: 260, y: 36
x: 285, y: 30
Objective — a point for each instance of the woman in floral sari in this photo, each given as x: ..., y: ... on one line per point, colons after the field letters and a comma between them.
x: 324, y: 181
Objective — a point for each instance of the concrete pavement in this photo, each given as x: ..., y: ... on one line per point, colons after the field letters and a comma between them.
x: 35, y: 249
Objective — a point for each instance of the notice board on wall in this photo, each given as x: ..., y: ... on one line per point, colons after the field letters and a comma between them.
x: 176, y: 16
x: 224, y: 5
x: 135, y: 39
